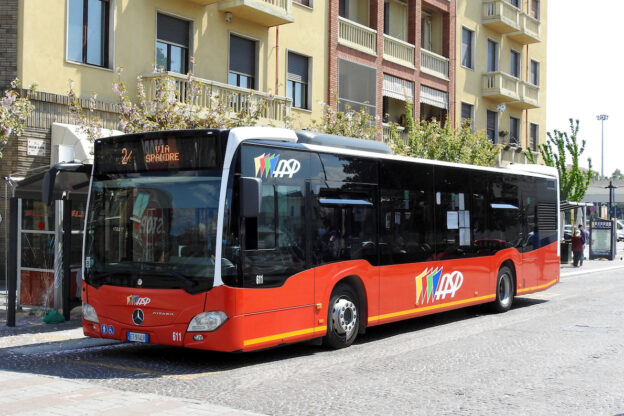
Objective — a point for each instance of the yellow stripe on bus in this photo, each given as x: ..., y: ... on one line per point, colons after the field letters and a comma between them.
x: 429, y: 308
x: 530, y: 289
x: 283, y: 335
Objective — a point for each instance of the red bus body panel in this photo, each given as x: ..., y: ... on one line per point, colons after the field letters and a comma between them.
x: 297, y: 311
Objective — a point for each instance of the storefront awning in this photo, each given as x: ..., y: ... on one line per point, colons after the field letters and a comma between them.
x: 69, y: 143
x: 398, y: 88
x: 433, y: 97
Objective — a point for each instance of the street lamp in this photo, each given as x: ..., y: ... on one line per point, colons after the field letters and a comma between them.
x: 602, y: 118
x: 611, y: 189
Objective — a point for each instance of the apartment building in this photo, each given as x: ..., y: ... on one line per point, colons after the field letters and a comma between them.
x: 295, y: 54
x: 501, y: 72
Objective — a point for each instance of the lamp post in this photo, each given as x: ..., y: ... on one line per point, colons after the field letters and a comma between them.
x: 602, y: 118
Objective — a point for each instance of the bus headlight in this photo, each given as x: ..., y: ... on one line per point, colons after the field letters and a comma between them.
x: 207, y: 321
x: 88, y: 313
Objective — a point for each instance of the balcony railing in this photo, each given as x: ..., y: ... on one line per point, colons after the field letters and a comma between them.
x: 501, y: 16
x: 434, y: 64
x: 357, y: 36
x: 265, y: 12
x: 398, y: 51
x: 529, y: 30
x: 501, y: 87
x: 276, y: 109
x: 530, y: 96
x: 400, y: 130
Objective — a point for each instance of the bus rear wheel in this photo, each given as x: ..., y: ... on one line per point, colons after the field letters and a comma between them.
x: 504, y: 290
x: 343, y: 317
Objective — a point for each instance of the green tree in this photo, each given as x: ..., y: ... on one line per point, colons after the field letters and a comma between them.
x: 434, y: 140
x: 617, y: 175
x: 14, y: 110
x: 556, y: 152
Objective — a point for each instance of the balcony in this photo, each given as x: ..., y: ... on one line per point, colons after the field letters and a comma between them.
x: 434, y: 64
x: 398, y: 51
x: 529, y: 96
x: 235, y: 99
x: 529, y: 30
x: 501, y: 87
x: 500, y: 16
x: 357, y: 36
x: 267, y: 13
x: 401, y: 131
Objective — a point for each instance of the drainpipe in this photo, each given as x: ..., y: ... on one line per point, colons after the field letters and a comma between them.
x: 276, y: 60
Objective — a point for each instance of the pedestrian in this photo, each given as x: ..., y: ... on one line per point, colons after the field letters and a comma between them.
x: 585, y: 239
x: 577, y: 247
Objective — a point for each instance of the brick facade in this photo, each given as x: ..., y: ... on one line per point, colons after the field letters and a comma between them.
x: 49, y: 109
x: 8, y: 42
x: 337, y: 51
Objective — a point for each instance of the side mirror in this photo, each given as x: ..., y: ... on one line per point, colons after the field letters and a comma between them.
x: 64, y: 177
x: 251, y: 196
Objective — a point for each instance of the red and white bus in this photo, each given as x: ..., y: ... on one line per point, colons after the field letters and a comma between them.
x: 236, y: 240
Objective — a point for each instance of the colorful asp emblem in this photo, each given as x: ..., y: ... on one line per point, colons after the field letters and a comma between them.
x: 270, y: 165
x: 432, y: 285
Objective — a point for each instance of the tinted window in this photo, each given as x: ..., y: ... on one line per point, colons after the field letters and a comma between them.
x: 406, y: 198
x: 344, y: 226
x: 349, y: 169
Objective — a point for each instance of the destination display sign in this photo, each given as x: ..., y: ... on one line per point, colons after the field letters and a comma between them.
x: 184, y: 150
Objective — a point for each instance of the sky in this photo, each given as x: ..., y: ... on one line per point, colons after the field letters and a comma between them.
x: 585, y: 77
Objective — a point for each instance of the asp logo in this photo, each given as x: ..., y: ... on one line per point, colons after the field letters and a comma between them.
x: 432, y: 285
x: 137, y: 301
x: 270, y: 165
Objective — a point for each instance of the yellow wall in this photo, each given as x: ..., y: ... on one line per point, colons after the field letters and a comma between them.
x: 470, y: 81
x: 43, y: 31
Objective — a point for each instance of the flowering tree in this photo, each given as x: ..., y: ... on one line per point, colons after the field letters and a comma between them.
x: 14, y: 110
x: 172, y: 105
x: 350, y: 123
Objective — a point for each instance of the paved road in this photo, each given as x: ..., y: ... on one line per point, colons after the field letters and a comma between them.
x: 556, y: 352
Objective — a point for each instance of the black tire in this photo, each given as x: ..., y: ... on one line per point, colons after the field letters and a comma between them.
x: 504, y: 290
x: 343, y: 317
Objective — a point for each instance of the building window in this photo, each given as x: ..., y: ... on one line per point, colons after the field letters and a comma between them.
x: 304, y: 2
x: 515, y: 3
x: 466, y: 48
x: 88, y: 32
x: 242, y: 62
x: 514, y: 64
x: 172, y: 43
x: 297, y: 82
x: 492, y: 56
x: 425, y: 31
x: 534, y: 11
x: 467, y: 113
x: 533, y: 137
x: 535, y: 69
x: 514, y: 131
x: 357, y: 87
x: 492, y: 125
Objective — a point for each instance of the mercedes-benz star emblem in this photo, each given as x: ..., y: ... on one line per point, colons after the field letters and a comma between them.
x: 140, y: 282
x: 137, y: 316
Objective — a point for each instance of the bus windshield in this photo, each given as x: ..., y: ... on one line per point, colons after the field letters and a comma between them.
x: 153, y: 230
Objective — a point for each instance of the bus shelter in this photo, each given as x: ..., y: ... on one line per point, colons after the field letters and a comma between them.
x: 47, y: 212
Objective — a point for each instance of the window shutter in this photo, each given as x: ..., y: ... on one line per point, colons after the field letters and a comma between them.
x: 242, y: 55
x: 172, y: 30
x: 297, y: 68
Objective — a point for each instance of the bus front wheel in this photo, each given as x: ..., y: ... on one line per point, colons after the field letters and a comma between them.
x: 343, y: 317
x: 504, y: 290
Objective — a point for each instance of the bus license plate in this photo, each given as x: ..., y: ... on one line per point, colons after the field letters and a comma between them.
x: 137, y: 337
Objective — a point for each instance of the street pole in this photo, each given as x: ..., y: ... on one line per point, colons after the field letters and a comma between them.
x: 602, y: 118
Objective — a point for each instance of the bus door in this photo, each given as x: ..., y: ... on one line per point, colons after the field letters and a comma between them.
x: 278, y: 287
x: 531, y: 265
